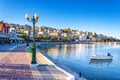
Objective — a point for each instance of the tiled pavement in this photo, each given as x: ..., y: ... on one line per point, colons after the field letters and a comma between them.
x: 15, y: 65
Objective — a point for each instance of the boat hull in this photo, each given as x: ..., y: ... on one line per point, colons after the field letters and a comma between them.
x: 101, y: 58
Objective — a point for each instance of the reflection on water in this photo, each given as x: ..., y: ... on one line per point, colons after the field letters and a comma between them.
x: 77, y: 57
x: 100, y: 61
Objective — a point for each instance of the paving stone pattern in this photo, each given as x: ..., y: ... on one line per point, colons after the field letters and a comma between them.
x: 15, y: 65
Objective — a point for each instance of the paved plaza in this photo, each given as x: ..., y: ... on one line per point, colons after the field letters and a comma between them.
x: 15, y: 65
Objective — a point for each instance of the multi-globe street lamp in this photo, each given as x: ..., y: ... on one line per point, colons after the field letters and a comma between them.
x: 34, y: 19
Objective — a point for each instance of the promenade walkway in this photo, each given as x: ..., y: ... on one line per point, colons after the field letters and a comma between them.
x: 7, y: 47
x: 15, y: 65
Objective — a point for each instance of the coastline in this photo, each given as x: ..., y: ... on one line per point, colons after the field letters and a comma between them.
x: 101, y: 44
x: 57, y: 63
x: 51, y: 44
x: 61, y: 66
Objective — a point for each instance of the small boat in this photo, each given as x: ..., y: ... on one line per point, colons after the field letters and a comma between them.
x: 101, y: 57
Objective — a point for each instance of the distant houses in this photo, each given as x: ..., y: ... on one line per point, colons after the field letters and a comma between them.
x: 10, y: 33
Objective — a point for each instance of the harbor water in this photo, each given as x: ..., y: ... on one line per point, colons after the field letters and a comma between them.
x: 77, y: 58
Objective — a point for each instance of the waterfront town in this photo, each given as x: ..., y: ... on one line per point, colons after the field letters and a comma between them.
x: 59, y: 40
x: 16, y: 58
x: 15, y: 33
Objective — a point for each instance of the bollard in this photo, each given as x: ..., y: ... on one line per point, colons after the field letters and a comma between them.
x: 80, y: 74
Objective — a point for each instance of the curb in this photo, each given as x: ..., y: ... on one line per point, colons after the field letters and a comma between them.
x: 71, y: 77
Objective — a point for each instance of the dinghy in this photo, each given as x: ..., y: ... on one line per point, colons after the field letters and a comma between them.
x: 101, y: 57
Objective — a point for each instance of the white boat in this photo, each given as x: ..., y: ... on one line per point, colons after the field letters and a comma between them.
x: 101, y: 57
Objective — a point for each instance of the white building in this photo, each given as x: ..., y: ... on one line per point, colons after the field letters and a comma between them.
x: 83, y: 37
x: 13, y: 36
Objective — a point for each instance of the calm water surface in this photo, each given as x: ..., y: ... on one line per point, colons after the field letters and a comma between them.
x: 77, y: 58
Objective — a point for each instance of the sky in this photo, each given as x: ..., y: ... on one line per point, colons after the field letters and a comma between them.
x: 100, y: 16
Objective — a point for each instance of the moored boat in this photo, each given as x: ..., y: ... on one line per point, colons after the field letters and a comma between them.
x: 101, y: 57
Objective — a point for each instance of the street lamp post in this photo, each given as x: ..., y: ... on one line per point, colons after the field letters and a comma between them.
x: 34, y: 19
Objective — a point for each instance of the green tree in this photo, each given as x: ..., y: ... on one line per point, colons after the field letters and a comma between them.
x: 25, y: 37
